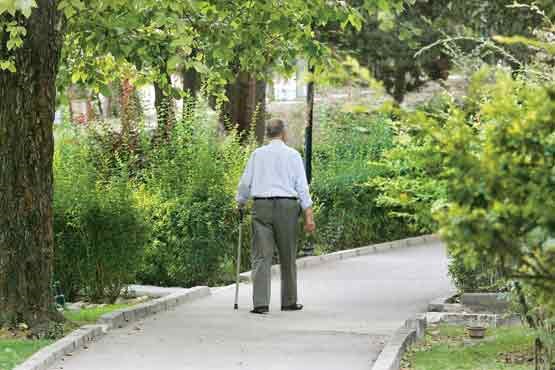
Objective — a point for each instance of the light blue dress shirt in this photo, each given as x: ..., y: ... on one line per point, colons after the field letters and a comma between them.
x: 275, y: 170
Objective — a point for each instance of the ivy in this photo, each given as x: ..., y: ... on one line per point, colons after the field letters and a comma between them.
x: 12, y: 7
x: 15, y: 32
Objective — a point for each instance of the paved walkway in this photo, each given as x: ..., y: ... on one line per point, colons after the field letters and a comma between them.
x: 352, y: 306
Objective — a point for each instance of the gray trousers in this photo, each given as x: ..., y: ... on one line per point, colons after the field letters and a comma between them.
x: 275, y: 224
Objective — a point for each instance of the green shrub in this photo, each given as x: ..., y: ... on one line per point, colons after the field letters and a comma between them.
x: 189, y: 196
x: 499, y: 167
x: 410, y: 185
x: 348, y: 216
x: 347, y: 212
x: 474, y: 279
x: 99, y: 231
x: 346, y: 140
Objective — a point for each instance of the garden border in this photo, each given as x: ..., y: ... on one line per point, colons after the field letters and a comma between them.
x: 414, y: 329
x: 73, y: 342
x: 390, y: 357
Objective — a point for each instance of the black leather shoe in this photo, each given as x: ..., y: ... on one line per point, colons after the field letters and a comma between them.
x: 293, y: 307
x: 261, y: 310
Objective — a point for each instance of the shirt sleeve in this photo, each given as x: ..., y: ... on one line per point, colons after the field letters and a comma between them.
x: 301, y: 183
x: 244, y: 189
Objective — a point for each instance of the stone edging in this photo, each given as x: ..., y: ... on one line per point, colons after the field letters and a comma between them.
x: 48, y: 356
x: 460, y: 314
x: 305, y: 262
x: 404, y: 337
x: 120, y: 318
x: 414, y: 329
x: 461, y: 318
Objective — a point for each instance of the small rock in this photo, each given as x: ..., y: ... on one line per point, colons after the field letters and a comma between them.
x: 434, y: 317
x: 139, y: 300
x: 75, y: 306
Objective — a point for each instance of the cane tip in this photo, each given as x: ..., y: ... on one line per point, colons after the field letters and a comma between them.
x: 236, y: 307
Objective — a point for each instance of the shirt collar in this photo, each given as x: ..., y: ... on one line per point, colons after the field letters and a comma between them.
x: 276, y: 142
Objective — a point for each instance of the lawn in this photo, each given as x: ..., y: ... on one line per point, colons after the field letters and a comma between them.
x: 88, y: 316
x: 14, y: 349
x: 13, y: 352
x: 446, y: 348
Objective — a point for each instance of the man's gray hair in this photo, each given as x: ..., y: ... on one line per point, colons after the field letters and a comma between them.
x: 275, y: 128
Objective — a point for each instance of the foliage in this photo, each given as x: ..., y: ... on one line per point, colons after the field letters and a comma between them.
x: 99, y: 230
x: 409, y: 184
x: 474, y: 279
x: 499, y: 172
x: 216, y: 39
x: 389, y: 43
x: 188, y: 195
x: 128, y: 204
x: 542, y: 42
x: 347, y: 212
x: 498, y: 159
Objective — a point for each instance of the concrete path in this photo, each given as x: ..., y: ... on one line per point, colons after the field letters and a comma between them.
x: 351, y: 307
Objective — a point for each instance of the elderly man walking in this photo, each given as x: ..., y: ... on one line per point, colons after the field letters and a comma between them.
x: 275, y: 178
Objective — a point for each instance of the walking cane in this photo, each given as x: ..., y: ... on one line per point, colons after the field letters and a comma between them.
x: 241, y: 216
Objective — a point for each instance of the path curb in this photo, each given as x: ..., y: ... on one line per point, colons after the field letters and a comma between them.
x: 121, y: 318
x: 312, y: 261
x: 48, y: 356
x: 415, y: 329
x: 490, y: 320
x: 404, y: 337
x: 78, y: 339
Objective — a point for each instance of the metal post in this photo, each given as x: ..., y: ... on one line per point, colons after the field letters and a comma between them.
x: 308, y: 249
x: 309, y: 124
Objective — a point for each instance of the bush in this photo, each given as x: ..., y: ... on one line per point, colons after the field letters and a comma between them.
x: 410, y: 185
x: 499, y: 168
x: 474, y: 279
x: 347, y: 212
x: 131, y: 209
x: 348, y: 215
x: 499, y: 162
x: 99, y: 231
x: 189, y: 198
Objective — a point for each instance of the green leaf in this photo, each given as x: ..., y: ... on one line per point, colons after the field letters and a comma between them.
x: 174, y: 62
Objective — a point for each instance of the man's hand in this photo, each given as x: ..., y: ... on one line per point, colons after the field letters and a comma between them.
x: 309, y: 225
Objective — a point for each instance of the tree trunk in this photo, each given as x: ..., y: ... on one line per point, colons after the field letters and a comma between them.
x: 91, y: 114
x: 99, y: 106
x: 127, y: 109
x: 399, y: 88
x: 246, y: 106
x: 27, y: 105
x: 259, y: 107
x: 191, y: 85
x: 191, y: 82
x: 165, y: 112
